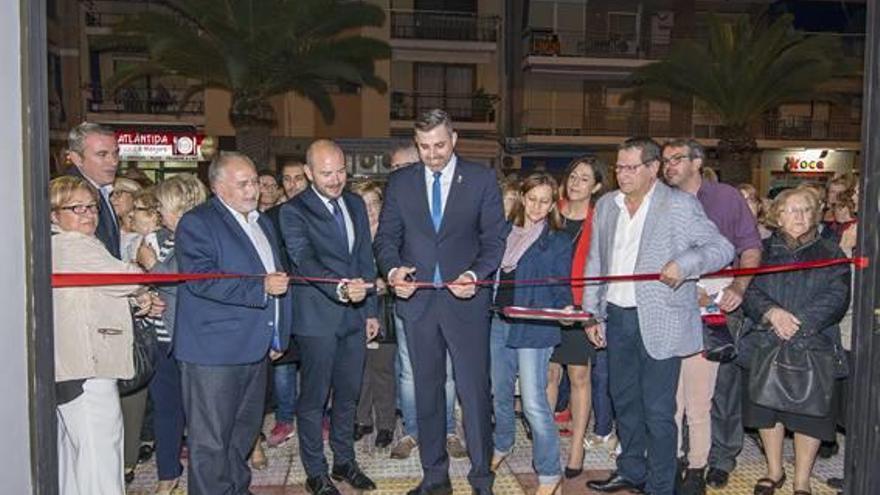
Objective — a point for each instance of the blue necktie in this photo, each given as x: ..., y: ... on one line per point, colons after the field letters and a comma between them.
x: 340, y: 221
x: 437, y: 216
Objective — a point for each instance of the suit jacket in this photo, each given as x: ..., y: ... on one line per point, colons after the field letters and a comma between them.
x: 224, y: 321
x: 108, y: 229
x: 316, y: 248
x: 676, y: 229
x: 471, y: 235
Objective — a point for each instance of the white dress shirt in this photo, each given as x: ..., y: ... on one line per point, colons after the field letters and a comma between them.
x: 625, y: 250
x: 446, y: 176
x: 349, y: 227
x: 252, y: 229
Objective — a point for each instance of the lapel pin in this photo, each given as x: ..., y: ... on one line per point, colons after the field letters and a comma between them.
x: 459, y: 179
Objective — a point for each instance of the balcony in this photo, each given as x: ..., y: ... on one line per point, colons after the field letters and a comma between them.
x: 806, y: 129
x: 468, y: 111
x: 596, y: 53
x: 601, y: 122
x: 142, y: 101
x: 440, y: 36
x: 450, y: 26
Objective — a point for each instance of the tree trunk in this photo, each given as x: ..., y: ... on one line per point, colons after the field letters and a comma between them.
x: 735, y: 149
x: 254, y: 140
x: 253, y: 119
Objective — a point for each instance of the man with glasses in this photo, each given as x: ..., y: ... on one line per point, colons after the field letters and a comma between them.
x: 647, y: 227
x: 727, y: 209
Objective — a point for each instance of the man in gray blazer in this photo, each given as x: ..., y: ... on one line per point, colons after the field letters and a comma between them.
x: 647, y: 227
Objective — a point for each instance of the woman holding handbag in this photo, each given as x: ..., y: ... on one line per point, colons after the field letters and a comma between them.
x: 795, y: 348
x: 93, y: 345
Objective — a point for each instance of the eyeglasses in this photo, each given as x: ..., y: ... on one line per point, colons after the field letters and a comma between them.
x: 81, y: 209
x: 622, y: 168
x: 674, y: 159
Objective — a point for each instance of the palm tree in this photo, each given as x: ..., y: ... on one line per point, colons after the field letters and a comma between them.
x: 256, y: 49
x: 740, y: 74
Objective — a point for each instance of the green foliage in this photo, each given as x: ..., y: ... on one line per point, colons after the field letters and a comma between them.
x: 743, y: 70
x: 256, y: 49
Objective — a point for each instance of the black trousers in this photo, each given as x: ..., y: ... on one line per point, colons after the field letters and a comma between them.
x: 428, y: 338
x: 727, y: 407
x: 224, y: 413
x: 328, y: 363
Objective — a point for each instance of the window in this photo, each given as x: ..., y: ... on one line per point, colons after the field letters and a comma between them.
x: 447, y: 86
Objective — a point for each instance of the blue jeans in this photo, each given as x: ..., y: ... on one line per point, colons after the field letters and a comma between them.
x: 284, y: 383
x: 601, y: 395
x: 408, y: 389
x: 532, y: 365
x: 643, y: 391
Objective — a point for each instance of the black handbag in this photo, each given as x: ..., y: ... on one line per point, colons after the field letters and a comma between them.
x: 387, y: 330
x: 718, y: 343
x: 145, y: 353
x: 793, y: 376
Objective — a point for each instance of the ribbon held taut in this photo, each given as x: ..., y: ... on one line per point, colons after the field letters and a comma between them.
x: 62, y: 280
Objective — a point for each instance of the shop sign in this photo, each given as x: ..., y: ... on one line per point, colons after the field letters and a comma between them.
x: 796, y: 164
x: 165, y: 146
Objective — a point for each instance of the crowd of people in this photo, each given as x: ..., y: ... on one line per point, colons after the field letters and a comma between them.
x: 354, y: 302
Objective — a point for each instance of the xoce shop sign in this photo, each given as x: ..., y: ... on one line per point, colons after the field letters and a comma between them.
x: 798, y: 164
x: 170, y: 146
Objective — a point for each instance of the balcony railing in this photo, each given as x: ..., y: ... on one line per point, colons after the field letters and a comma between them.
x: 621, y: 122
x: 603, y: 122
x: 449, y: 26
x: 158, y: 101
x: 462, y: 108
x: 801, y: 128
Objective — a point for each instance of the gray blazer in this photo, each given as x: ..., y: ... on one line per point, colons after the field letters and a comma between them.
x: 676, y: 229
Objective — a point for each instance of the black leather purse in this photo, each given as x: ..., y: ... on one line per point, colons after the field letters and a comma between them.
x: 793, y: 376
x: 719, y: 345
x: 145, y: 352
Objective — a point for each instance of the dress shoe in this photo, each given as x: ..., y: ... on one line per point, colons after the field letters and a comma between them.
x: 321, y: 485
x: 145, y: 452
x: 360, y: 431
x: 717, y: 478
x: 352, y: 475
x: 441, y: 489
x: 129, y: 475
x: 384, y: 438
x: 615, y: 483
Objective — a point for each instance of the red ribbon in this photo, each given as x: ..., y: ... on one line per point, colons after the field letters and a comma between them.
x: 61, y: 280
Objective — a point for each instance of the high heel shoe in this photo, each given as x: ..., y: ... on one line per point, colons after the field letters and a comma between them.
x: 768, y: 486
x: 572, y: 473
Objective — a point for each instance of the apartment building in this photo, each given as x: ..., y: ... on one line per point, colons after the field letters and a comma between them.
x: 572, y: 63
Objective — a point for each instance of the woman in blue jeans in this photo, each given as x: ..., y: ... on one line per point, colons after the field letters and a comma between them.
x: 536, y: 248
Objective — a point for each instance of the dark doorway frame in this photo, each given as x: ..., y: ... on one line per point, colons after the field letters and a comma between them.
x: 35, y: 145
x: 863, y: 433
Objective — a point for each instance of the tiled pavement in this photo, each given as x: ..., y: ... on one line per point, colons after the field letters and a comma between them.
x: 285, y: 476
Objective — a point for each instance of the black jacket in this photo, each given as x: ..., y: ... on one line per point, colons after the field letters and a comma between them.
x: 818, y: 297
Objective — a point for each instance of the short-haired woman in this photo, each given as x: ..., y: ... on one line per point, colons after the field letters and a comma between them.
x: 798, y: 306
x: 175, y: 196
x: 93, y: 345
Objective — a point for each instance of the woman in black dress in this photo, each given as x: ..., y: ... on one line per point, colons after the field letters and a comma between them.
x: 582, y: 181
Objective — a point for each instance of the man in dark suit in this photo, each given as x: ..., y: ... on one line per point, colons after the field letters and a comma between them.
x: 93, y: 149
x: 443, y: 221
x: 327, y: 234
x: 226, y: 327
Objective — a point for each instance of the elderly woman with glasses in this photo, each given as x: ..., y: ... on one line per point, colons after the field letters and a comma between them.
x: 794, y: 306
x: 93, y: 345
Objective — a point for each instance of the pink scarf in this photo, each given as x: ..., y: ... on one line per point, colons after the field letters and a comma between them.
x: 519, y: 241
